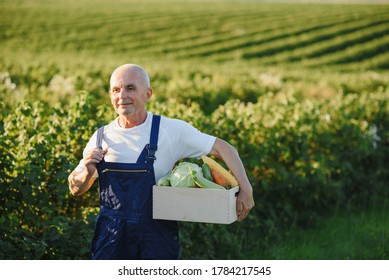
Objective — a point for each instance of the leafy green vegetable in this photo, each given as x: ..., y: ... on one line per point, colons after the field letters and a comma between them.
x: 181, y: 175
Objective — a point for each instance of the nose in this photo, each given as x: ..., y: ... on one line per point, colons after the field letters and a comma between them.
x: 122, y: 93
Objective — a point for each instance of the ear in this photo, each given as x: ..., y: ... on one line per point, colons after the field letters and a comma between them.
x: 148, y: 95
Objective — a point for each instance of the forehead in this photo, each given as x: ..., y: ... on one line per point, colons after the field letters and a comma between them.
x: 126, y: 77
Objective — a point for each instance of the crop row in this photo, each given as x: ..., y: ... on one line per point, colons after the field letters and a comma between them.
x: 338, y: 43
x: 340, y: 48
x: 273, y: 33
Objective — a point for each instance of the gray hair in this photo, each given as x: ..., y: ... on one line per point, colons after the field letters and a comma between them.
x: 133, y: 67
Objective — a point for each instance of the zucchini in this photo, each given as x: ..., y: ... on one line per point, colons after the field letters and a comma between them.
x: 205, y: 183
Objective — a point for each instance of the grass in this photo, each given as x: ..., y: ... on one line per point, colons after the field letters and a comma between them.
x: 352, y: 234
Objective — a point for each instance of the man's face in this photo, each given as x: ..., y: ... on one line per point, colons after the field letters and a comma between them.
x: 129, y: 93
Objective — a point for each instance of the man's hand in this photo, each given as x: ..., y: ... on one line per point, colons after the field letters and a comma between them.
x: 244, y: 203
x: 92, y: 157
x: 230, y: 156
x: 81, y: 182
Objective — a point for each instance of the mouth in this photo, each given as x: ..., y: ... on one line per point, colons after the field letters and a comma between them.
x: 124, y: 104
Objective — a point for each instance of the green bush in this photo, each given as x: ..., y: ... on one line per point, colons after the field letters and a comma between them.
x: 304, y: 156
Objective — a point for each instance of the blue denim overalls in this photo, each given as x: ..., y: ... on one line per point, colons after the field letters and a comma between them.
x: 124, y: 227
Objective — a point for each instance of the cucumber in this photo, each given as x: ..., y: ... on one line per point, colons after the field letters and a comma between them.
x: 207, y: 171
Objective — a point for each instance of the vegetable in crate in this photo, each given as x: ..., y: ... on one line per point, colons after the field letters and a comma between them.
x: 207, y: 171
x: 204, y: 183
x: 164, y: 181
x: 181, y: 176
x: 220, y: 175
x: 188, y: 175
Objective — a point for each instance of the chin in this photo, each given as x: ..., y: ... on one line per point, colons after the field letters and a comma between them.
x: 126, y: 113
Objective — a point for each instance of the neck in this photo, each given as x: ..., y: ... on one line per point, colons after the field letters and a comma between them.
x: 129, y: 121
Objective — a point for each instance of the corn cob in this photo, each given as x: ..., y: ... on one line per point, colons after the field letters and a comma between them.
x: 215, y: 166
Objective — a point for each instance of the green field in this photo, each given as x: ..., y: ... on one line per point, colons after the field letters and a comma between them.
x: 312, y: 35
x: 300, y: 89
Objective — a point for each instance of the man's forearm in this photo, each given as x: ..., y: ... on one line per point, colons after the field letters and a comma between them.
x: 80, y: 182
x: 230, y: 156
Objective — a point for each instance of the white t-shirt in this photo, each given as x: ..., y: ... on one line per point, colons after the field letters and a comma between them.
x: 177, y: 140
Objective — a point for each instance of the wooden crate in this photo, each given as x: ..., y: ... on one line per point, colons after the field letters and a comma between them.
x: 195, y: 204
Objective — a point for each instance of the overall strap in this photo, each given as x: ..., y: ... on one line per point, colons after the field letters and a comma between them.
x: 99, y: 139
x: 148, y: 153
x: 153, y: 143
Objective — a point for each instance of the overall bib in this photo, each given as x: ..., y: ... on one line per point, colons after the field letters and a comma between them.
x: 124, y: 227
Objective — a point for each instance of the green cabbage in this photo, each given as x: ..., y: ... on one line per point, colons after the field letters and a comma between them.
x: 181, y: 175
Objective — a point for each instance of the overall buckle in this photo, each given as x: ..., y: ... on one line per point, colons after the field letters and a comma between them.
x: 151, y: 149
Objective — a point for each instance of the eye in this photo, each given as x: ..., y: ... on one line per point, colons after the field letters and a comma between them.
x: 115, y: 89
x: 130, y: 87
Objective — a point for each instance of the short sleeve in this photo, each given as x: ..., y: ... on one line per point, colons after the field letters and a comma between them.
x: 187, y: 141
